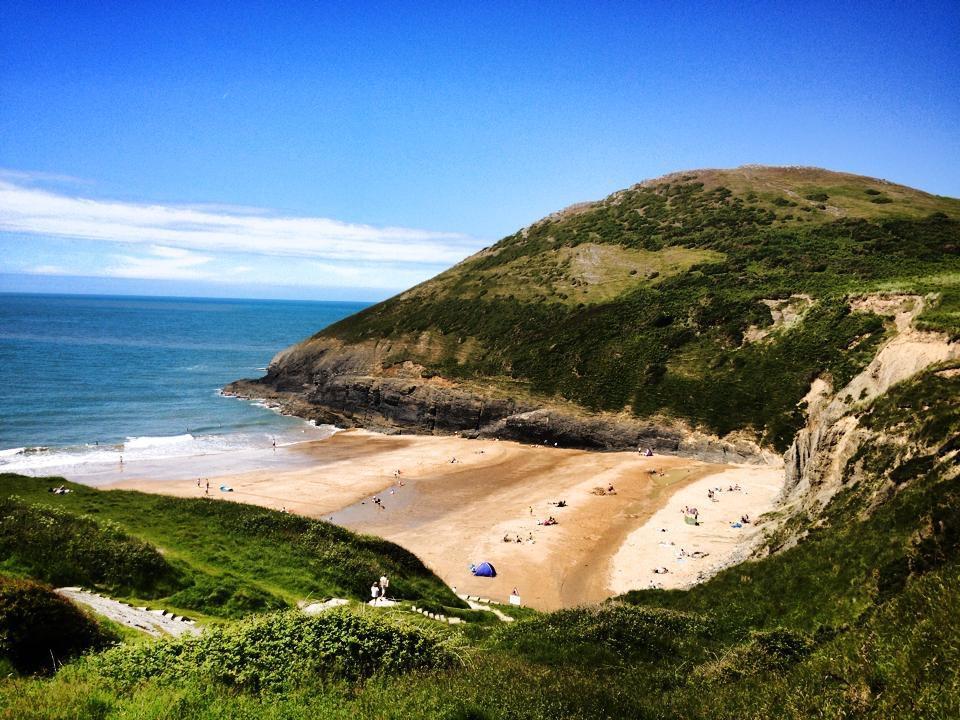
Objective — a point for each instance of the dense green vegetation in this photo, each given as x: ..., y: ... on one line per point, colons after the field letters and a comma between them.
x: 668, y: 337
x: 198, y: 556
x: 39, y: 630
x: 279, y: 651
x: 64, y: 548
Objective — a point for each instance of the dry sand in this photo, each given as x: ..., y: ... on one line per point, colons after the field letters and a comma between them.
x: 666, y: 540
x: 452, y: 514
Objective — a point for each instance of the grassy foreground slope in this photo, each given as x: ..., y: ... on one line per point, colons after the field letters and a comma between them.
x: 657, y: 300
x: 200, y: 556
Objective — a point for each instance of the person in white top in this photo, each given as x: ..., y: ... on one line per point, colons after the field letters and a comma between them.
x: 374, y: 591
x: 384, y: 584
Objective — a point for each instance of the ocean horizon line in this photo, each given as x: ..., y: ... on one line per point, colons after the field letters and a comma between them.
x: 140, y: 296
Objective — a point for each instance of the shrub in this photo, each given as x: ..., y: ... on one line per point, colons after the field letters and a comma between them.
x: 281, y: 650
x: 226, y: 596
x: 40, y: 629
x: 615, y: 629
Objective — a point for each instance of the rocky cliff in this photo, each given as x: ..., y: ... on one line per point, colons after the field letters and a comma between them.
x: 816, y: 461
x: 347, y: 387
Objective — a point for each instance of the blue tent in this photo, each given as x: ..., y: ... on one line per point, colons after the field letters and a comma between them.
x: 484, y: 569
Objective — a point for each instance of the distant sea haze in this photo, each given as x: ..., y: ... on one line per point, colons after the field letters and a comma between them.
x: 86, y: 379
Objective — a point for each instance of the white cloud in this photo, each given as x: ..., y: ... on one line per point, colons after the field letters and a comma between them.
x: 36, y: 211
x: 164, y: 263
x: 47, y: 270
x: 33, y: 176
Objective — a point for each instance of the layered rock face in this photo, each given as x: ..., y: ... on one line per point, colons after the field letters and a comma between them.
x: 348, y: 386
x: 815, y: 462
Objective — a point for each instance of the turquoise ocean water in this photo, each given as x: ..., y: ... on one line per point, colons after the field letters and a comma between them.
x: 84, y: 380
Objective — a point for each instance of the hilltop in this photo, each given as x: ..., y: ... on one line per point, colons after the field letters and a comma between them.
x: 688, y: 313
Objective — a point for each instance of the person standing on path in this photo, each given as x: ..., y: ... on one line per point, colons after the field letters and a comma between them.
x: 384, y: 584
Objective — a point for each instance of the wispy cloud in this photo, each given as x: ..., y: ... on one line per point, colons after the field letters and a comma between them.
x: 163, y: 263
x: 30, y: 177
x: 28, y: 209
x: 47, y: 270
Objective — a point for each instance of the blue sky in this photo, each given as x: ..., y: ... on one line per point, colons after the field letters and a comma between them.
x: 349, y: 150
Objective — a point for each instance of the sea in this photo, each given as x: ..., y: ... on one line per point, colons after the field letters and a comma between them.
x: 88, y: 380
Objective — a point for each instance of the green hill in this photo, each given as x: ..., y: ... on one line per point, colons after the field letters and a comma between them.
x: 709, y: 300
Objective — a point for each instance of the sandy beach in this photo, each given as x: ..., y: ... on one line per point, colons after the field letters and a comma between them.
x: 456, y: 501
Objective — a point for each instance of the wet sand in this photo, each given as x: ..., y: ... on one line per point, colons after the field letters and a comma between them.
x: 452, y: 514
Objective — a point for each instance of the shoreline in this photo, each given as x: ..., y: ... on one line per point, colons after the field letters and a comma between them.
x: 99, y: 465
x: 453, y: 514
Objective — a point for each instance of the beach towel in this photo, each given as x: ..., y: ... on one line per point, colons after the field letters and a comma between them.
x: 690, y: 520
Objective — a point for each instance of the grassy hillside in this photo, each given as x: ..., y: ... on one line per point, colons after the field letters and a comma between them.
x: 197, y: 556
x: 650, y: 300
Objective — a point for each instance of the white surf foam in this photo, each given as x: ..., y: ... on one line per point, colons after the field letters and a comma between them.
x: 133, y: 444
x: 87, y: 459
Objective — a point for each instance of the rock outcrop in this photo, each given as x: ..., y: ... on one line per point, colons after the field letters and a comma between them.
x: 351, y: 386
x: 815, y: 462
